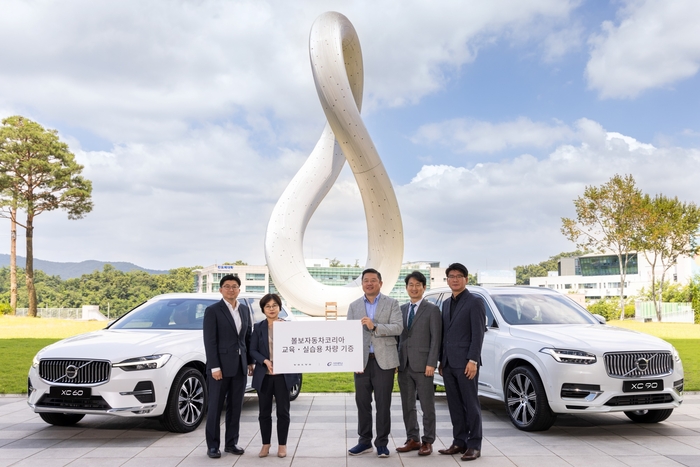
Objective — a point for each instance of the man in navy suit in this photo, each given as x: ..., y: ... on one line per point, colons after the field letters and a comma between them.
x: 226, y: 332
x: 463, y: 324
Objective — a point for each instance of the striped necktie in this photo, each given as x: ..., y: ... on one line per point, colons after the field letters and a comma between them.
x: 411, y: 314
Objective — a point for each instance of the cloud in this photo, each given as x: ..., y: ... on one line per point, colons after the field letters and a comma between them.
x: 559, y: 43
x: 501, y: 214
x: 148, y: 71
x: 203, y: 198
x: 654, y: 44
x: 469, y: 135
x: 497, y: 215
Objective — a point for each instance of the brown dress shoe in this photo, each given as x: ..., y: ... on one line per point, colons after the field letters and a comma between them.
x: 426, y: 449
x: 454, y: 449
x: 411, y: 445
x: 471, y: 454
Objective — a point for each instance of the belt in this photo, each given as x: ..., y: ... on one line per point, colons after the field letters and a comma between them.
x: 371, y: 355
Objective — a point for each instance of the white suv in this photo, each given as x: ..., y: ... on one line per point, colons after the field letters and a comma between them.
x: 543, y: 354
x: 148, y: 363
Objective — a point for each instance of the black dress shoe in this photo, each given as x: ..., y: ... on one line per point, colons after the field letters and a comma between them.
x: 213, y: 453
x: 471, y: 454
x: 237, y: 450
x: 454, y: 449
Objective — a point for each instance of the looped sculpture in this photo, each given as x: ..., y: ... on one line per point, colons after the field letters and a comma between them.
x: 336, y: 62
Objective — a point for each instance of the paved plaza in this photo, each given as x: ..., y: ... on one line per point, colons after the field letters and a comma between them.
x: 324, y: 427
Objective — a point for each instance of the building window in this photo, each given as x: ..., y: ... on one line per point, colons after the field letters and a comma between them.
x: 254, y: 276
x: 567, y: 286
x: 606, y: 265
x: 590, y: 285
x: 255, y: 288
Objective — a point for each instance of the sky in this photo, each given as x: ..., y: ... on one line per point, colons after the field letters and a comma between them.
x: 491, y: 117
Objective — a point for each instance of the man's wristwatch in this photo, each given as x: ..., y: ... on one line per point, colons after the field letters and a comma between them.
x: 474, y: 362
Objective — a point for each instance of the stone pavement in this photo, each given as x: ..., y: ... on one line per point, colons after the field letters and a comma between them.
x: 324, y: 427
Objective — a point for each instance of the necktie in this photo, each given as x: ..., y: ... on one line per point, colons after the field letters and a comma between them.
x: 411, y: 314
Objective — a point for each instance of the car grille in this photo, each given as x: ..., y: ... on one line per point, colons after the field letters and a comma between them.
x: 642, y: 399
x: 75, y: 371
x: 93, y: 403
x: 638, y: 364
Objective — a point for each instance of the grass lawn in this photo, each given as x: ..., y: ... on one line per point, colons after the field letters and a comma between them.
x: 21, y: 326
x: 15, y: 359
x: 22, y: 338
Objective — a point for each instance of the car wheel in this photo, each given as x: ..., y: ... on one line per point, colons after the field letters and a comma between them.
x: 526, y: 401
x: 61, y: 419
x: 649, y: 416
x: 296, y: 389
x: 187, y: 402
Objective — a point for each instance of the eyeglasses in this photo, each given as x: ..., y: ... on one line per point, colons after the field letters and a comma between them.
x: 230, y: 287
x: 271, y: 306
x: 455, y: 276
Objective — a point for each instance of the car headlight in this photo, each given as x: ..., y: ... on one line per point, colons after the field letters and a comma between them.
x: 676, y: 355
x: 35, y: 361
x: 143, y: 363
x: 570, y: 356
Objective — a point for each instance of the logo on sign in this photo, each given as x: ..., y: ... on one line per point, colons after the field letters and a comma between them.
x: 72, y: 392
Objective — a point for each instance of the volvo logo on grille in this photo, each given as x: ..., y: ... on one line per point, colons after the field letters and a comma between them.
x: 71, y: 371
x: 642, y: 364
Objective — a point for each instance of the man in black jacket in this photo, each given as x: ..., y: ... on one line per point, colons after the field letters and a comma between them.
x: 463, y: 324
x: 226, y: 332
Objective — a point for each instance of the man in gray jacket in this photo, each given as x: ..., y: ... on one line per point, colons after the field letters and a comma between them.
x: 381, y: 323
x: 419, y: 348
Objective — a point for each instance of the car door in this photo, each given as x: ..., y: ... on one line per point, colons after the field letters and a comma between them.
x: 488, y: 373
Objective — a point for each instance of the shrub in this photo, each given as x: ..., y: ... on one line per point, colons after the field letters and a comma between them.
x: 5, y: 309
x: 609, y: 308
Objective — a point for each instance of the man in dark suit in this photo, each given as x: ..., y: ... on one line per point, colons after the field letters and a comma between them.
x: 381, y: 324
x: 226, y: 331
x: 419, y: 349
x: 463, y: 324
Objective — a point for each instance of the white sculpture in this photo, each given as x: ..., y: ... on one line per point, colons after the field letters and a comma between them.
x: 336, y: 62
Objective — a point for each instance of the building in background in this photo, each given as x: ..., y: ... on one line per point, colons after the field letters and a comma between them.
x: 258, y: 279
x: 494, y: 278
x: 597, y: 276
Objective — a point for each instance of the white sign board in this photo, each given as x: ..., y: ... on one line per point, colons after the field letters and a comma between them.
x: 317, y: 346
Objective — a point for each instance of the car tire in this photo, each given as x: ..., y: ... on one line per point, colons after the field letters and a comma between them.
x: 526, y: 400
x: 296, y: 389
x: 649, y: 416
x: 61, y: 419
x: 187, y: 402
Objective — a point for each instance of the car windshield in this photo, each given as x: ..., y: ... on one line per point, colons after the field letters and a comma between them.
x: 174, y: 313
x: 531, y: 309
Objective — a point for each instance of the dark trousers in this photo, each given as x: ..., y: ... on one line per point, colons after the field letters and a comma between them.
x: 465, y: 409
x: 381, y: 382
x: 274, y: 385
x: 412, y: 383
x: 234, y: 387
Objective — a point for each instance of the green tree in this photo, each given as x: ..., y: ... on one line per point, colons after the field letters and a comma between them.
x: 39, y: 172
x: 668, y: 232
x: 608, y: 219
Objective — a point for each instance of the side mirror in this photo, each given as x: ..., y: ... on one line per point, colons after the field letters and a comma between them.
x: 600, y: 318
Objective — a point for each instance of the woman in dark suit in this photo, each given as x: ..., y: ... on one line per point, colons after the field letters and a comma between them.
x: 266, y: 382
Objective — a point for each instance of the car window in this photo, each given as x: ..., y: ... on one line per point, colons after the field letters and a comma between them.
x: 533, y: 309
x: 253, y: 303
x: 180, y: 313
x: 490, y: 321
x: 434, y: 299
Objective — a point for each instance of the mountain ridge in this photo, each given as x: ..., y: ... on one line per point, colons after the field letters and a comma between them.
x: 72, y: 270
